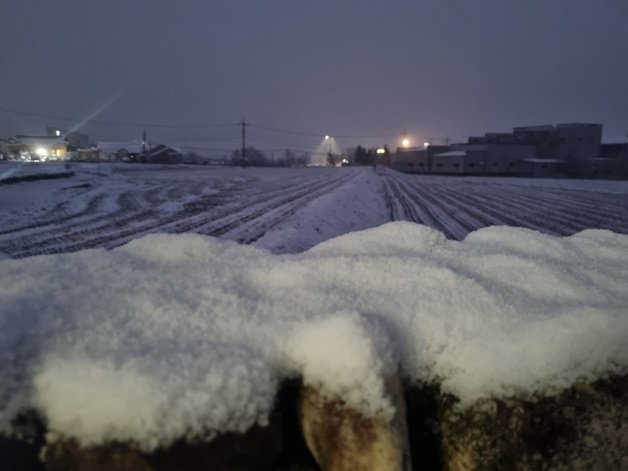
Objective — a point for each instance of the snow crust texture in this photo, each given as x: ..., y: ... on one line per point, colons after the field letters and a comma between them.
x: 187, y: 335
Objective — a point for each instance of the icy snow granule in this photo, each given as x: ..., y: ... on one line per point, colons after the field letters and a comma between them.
x: 186, y: 335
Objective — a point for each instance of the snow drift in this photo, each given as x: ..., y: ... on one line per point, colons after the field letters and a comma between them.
x: 186, y: 335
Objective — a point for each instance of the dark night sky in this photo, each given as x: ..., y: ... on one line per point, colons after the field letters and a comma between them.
x: 436, y: 68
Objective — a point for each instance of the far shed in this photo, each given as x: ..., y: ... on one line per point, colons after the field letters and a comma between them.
x: 162, y: 154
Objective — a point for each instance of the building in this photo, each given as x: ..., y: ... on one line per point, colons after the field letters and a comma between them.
x: 56, y: 144
x: 126, y: 151
x: 501, y: 156
x: 75, y: 140
x: 90, y: 154
x: 572, y: 149
x: 451, y: 162
x: 411, y: 160
x: 534, y: 167
x: 508, y: 158
x: 161, y: 154
x: 37, y: 148
x: 616, y: 149
x: 598, y: 168
x: 5, y: 145
x: 576, y: 145
x: 417, y: 159
x: 475, y: 156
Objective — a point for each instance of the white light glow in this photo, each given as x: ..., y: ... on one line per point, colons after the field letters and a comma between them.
x: 381, y: 150
x: 426, y: 144
x: 41, y: 151
x: 405, y: 142
x: 327, y: 137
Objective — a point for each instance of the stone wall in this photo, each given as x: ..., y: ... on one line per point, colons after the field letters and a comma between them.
x: 582, y: 427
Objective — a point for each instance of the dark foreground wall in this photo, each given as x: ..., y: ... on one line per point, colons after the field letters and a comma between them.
x: 582, y: 427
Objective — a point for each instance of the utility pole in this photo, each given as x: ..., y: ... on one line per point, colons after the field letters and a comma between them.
x: 142, y: 156
x: 244, y: 125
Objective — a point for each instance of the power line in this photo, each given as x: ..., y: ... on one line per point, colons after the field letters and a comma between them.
x: 117, y: 123
x: 207, y: 139
x: 280, y: 149
x: 242, y: 124
x: 183, y: 146
x: 285, y: 131
x: 311, y: 134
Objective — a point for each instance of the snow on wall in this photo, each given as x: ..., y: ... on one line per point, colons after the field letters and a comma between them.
x: 186, y: 335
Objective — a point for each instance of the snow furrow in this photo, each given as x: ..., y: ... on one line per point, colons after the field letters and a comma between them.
x: 230, y: 216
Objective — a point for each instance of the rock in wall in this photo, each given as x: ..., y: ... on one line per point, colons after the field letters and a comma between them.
x: 255, y: 450
x: 583, y: 427
x: 343, y: 439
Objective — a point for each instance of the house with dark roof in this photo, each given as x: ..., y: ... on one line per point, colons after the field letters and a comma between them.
x: 127, y: 151
x: 161, y: 154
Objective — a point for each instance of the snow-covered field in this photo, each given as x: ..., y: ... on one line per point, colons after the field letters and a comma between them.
x: 177, y: 335
x: 284, y: 210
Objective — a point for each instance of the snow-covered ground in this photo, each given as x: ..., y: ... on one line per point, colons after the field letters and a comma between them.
x: 182, y: 334
x: 284, y: 210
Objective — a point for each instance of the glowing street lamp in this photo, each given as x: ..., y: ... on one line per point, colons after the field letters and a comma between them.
x: 426, y: 144
x: 381, y: 150
x: 405, y: 141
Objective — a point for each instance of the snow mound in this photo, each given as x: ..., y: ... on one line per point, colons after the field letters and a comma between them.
x: 349, y: 357
x: 186, y: 336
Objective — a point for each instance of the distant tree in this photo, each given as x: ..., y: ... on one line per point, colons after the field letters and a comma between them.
x: 192, y: 158
x: 331, y: 160
x: 363, y: 156
x: 290, y: 158
x: 303, y: 161
x: 254, y: 157
x: 360, y: 156
x: 385, y: 158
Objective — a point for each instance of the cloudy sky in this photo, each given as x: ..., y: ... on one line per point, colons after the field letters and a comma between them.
x: 368, y: 68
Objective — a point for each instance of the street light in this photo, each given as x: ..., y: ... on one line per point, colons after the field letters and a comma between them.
x: 405, y: 141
